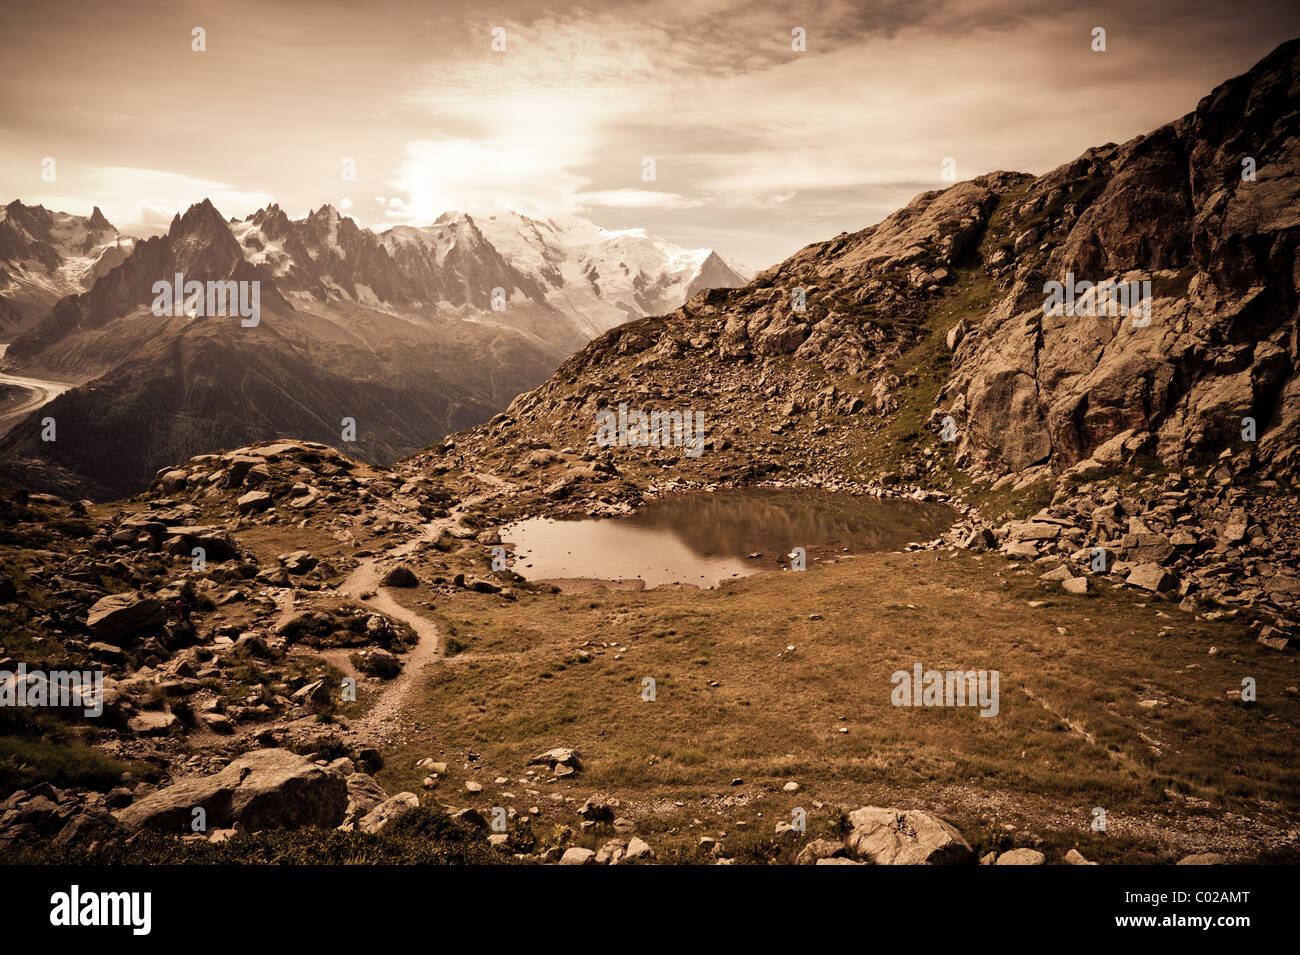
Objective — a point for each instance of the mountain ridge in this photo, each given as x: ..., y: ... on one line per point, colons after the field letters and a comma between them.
x: 433, y: 321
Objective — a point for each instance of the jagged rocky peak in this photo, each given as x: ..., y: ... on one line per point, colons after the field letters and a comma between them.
x: 98, y: 221
x: 272, y: 222
x: 201, y: 244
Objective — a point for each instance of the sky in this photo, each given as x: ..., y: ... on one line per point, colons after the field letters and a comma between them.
x: 697, y: 120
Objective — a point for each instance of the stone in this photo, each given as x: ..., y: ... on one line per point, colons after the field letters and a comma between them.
x: 1019, y: 549
x: 380, y: 662
x: 638, y: 850
x: 470, y: 817
x: 90, y: 825
x: 596, y: 809
x: 252, y: 502
x: 818, y: 849
x: 388, y: 812
x: 313, y: 694
x: 1146, y: 548
x: 399, y: 576
x: 1075, y: 585
x: 1021, y: 857
x: 1075, y: 857
x: 578, y: 856
x: 217, y: 722
x: 1273, y: 638
x: 263, y: 789
x: 299, y: 562
x: 612, y: 852
x: 905, y: 837
x: 1152, y: 577
x: 1034, y: 531
x: 118, y: 616
x: 153, y: 723
x: 559, y: 758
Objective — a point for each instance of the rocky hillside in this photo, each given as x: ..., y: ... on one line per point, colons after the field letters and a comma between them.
x: 939, y: 311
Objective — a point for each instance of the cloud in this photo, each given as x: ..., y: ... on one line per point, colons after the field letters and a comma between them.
x: 142, y: 201
x: 437, y: 176
x: 635, y: 199
x: 755, y: 143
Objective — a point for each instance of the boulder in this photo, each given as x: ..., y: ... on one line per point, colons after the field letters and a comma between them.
x: 388, y: 812
x: 379, y: 662
x: 905, y: 837
x: 1021, y: 857
x: 313, y: 694
x: 559, y: 759
x: 1152, y: 577
x: 252, y: 502
x: 264, y: 789
x: 299, y: 562
x: 399, y: 576
x: 596, y: 809
x: 818, y: 849
x: 612, y: 852
x: 114, y: 618
x: 638, y: 850
x: 153, y: 723
x: 1146, y: 548
x: 1020, y: 549
x: 364, y: 794
x: 216, y: 542
x: 1034, y: 531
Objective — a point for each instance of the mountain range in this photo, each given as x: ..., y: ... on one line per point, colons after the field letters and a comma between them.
x: 412, y: 333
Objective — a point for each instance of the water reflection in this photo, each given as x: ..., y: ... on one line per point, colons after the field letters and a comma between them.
x: 703, y: 539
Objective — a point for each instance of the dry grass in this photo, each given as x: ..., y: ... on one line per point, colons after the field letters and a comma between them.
x: 522, y: 686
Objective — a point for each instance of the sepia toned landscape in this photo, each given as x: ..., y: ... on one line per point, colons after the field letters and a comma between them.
x: 560, y: 489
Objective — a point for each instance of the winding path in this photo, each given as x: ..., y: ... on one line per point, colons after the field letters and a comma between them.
x: 394, y: 694
x: 365, y: 579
